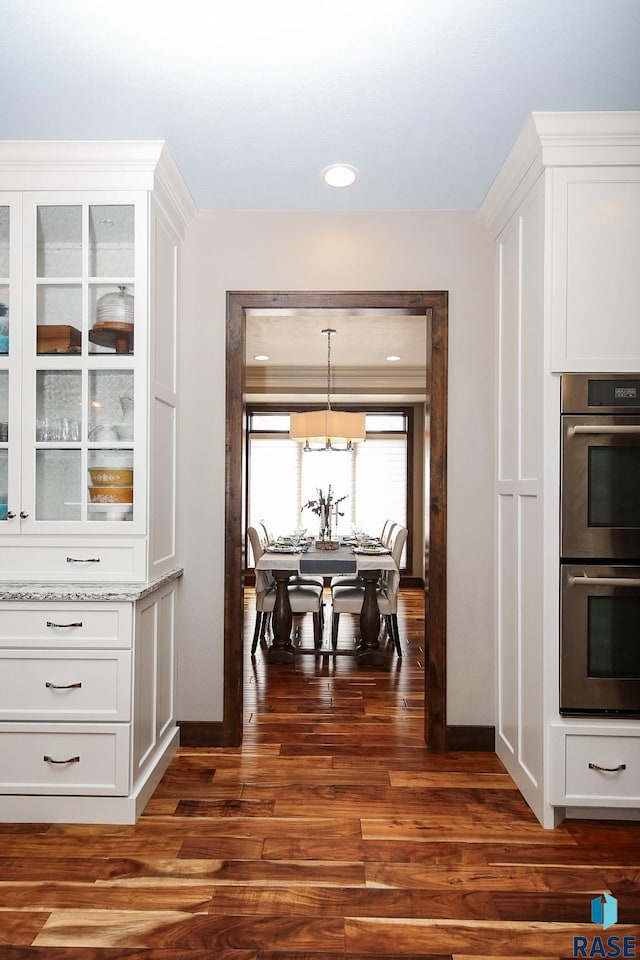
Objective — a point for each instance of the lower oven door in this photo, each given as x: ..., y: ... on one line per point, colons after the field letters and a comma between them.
x: 600, y: 640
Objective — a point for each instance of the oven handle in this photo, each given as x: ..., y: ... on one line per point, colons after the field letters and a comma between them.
x: 599, y: 428
x: 587, y: 581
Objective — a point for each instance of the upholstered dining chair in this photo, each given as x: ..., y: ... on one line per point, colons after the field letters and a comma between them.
x: 349, y: 599
x: 304, y: 598
x: 352, y: 579
x: 387, y: 532
x: 296, y: 578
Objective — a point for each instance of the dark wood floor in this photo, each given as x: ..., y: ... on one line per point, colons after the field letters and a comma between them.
x: 331, y: 833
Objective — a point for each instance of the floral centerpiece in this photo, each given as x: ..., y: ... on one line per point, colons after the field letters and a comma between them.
x: 326, y: 508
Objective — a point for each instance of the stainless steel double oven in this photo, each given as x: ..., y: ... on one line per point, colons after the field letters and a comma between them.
x: 600, y: 545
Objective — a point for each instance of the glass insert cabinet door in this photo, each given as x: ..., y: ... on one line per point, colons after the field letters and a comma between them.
x: 9, y: 470
x: 83, y: 445
x: 73, y: 431
x: 85, y: 278
x: 4, y: 443
x: 5, y: 261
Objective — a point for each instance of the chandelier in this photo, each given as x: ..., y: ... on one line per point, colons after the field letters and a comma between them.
x: 327, y: 429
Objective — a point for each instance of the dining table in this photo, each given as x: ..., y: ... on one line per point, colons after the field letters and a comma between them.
x: 284, y: 560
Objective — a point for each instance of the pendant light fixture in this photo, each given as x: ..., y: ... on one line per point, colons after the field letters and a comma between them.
x: 327, y: 429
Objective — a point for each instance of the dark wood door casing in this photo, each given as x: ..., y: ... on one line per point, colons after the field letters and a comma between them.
x: 434, y: 306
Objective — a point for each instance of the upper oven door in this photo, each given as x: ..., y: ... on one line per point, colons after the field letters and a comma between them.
x: 600, y: 508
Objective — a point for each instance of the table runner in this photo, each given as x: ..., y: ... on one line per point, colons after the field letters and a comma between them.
x: 328, y: 562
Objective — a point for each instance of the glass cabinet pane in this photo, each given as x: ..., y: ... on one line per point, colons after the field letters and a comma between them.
x: 110, y: 405
x: 58, y: 405
x: 4, y: 481
x: 111, y: 316
x: 4, y: 242
x: 110, y: 484
x: 59, y: 241
x: 58, y: 486
x: 59, y: 318
x: 111, y: 241
x: 4, y: 280
x: 4, y: 319
x: 4, y: 404
x: 4, y: 436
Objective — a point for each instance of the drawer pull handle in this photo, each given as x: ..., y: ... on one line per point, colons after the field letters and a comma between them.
x: 70, y: 760
x: 621, y: 766
x: 83, y: 559
x: 63, y: 686
x: 62, y: 626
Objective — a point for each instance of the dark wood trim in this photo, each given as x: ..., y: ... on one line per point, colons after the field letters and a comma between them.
x: 408, y: 581
x: 202, y: 733
x: 407, y: 409
x: 436, y: 561
x: 480, y: 739
x: 434, y: 305
x: 234, y: 512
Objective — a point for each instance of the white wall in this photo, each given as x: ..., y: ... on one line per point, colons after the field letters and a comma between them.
x: 352, y: 251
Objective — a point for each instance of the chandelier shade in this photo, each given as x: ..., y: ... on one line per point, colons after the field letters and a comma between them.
x: 327, y: 429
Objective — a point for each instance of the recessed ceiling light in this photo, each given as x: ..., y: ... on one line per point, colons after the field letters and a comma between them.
x: 340, y: 175
x: 261, y: 356
x: 392, y: 358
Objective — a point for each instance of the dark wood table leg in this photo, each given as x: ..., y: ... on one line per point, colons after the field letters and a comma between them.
x: 368, y: 650
x: 281, y: 650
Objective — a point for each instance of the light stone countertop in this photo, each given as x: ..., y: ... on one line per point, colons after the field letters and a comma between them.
x: 66, y: 592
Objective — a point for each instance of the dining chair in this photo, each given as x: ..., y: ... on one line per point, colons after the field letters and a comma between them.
x: 352, y: 579
x: 304, y: 598
x: 387, y: 529
x: 349, y: 599
x: 268, y: 536
x: 296, y: 578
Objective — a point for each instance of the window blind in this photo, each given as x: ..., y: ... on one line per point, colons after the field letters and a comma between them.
x: 282, y: 478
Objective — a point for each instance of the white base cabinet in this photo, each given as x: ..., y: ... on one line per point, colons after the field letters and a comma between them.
x: 595, y: 764
x: 87, y: 725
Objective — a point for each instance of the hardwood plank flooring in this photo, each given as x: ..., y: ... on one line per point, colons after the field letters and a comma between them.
x: 331, y: 833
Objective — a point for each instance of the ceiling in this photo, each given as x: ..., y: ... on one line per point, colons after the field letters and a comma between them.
x: 254, y: 98
x: 362, y: 340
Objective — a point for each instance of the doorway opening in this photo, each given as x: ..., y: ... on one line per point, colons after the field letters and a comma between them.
x: 434, y: 307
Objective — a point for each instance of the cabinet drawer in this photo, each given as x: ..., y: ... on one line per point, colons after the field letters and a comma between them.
x: 64, y: 759
x: 60, y: 685
x: 65, y: 625
x: 83, y: 561
x: 598, y: 770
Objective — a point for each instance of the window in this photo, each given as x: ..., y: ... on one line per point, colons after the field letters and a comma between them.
x: 282, y: 477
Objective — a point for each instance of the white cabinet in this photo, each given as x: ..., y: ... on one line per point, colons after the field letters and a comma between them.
x: 565, y: 214
x: 90, y: 237
x: 87, y: 724
x: 89, y: 260
x: 595, y: 282
x: 595, y: 764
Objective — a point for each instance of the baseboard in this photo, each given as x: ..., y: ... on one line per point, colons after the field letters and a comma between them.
x: 406, y: 580
x: 480, y: 739
x: 202, y: 733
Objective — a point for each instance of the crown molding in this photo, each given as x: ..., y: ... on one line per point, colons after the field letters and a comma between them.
x: 96, y: 164
x: 559, y: 139
x: 352, y: 380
